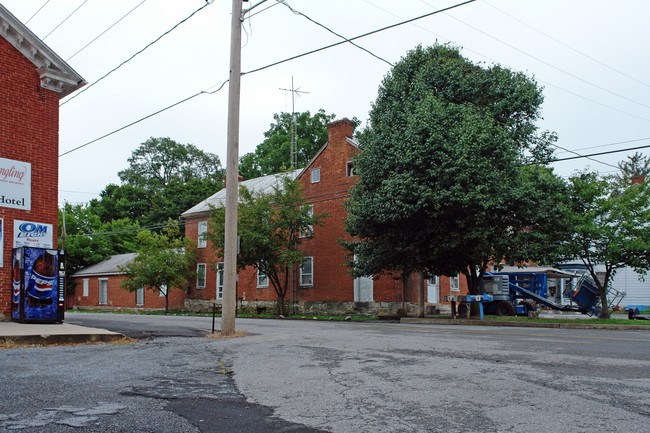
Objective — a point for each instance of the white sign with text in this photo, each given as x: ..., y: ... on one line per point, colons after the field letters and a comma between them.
x: 31, y: 234
x: 15, y: 184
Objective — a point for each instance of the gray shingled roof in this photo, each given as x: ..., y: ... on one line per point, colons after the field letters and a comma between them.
x: 262, y: 184
x: 107, y: 267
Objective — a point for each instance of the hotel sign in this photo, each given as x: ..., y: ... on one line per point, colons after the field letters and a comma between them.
x: 15, y: 184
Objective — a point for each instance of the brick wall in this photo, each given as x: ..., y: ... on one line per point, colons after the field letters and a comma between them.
x: 121, y: 298
x: 29, y: 132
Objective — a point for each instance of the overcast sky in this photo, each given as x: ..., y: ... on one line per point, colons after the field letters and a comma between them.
x: 590, y: 57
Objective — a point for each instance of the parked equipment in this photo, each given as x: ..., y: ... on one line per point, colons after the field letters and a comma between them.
x: 518, y: 293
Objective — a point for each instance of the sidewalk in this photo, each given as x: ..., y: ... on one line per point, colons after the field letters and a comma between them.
x: 52, y: 333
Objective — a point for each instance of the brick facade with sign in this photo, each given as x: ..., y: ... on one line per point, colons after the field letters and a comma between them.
x: 32, y: 80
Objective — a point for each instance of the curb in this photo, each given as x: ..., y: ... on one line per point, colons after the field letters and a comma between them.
x: 49, y: 340
x: 425, y: 321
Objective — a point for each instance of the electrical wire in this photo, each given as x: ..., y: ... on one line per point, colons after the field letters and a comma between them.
x: 259, y: 12
x: 35, y: 13
x: 580, y: 156
x: 358, y: 37
x: 610, y: 144
x: 102, y: 33
x: 203, y: 92
x: 283, y: 2
x: 494, y: 61
x: 134, y: 55
x: 598, y: 154
x: 567, y: 45
x: 66, y: 19
x: 545, y: 62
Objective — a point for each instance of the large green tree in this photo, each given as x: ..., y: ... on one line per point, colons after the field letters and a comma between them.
x: 636, y: 166
x: 609, y: 229
x: 271, y: 227
x: 164, y: 179
x: 273, y: 155
x: 443, y: 173
x: 164, y: 260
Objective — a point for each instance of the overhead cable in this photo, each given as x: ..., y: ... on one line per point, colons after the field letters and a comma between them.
x: 102, y: 33
x: 598, y: 154
x: 35, y: 13
x: 134, y: 55
x: 203, y: 92
x: 66, y: 19
x: 610, y: 144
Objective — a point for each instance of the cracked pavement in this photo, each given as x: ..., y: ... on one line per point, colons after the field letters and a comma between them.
x: 309, y: 376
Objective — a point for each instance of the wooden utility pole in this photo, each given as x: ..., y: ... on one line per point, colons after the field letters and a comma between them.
x: 228, y: 305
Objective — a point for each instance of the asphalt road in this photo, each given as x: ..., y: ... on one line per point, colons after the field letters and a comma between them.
x: 330, y: 376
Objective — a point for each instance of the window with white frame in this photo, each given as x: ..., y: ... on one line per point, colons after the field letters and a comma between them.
x: 103, y: 291
x: 307, y: 272
x: 220, y: 280
x: 163, y: 290
x: 202, y: 242
x: 309, y: 231
x: 200, y: 275
x: 315, y: 175
x: 139, y: 297
x: 262, y: 279
x: 349, y: 169
x: 454, y: 283
x: 85, y: 286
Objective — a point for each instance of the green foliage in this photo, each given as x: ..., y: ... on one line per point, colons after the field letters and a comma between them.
x: 164, y: 261
x: 273, y: 155
x: 164, y: 179
x: 88, y: 240
x: 271, y: 227
x: 608, y: 228
x: 636, y: 165
x: 443, y: 180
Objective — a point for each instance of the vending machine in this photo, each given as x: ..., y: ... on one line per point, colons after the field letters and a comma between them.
x: 38, y: 293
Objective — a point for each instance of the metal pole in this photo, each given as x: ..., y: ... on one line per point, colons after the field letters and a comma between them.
x: 232, y: 176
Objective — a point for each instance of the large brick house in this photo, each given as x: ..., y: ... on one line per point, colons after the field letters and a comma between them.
x: 32, y: 80
x: 323, y: 281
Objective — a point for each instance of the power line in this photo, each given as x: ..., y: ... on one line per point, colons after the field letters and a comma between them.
x: 145, y: 118
x: 545, y: 62
x: 610, y: 144
x: 358, y: 37
x: 497, y: 62
x: 66, y: 19
x: 35, y: 13
x: 581, y: 156
x: 567, y: 45
x: 333, y: 32
x: 102, y: 33
x: 134, y: 55
x: 598, y: 154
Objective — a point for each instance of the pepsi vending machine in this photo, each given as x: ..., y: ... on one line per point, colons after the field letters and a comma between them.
x: 38, y: 285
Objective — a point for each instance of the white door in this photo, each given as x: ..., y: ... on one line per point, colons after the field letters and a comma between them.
x: 433, y: 290
x: 363, y: 289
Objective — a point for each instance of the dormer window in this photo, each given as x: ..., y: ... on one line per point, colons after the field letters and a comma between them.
x: 315, y: 175
x: 350, y: 169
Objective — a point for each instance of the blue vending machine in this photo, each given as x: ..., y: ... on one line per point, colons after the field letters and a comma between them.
x: 38, y: 293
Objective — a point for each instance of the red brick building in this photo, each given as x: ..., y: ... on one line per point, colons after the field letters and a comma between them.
x: 32, y: 80
x: 97, y: 287
x: 323, y: 282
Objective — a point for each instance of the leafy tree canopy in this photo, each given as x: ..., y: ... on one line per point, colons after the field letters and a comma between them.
x: 443, y: 180
x: 608, y: 228
x: 164, y: 261
x: 271, y: 227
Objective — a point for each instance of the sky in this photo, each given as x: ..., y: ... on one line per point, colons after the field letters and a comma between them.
x: 589, y: 56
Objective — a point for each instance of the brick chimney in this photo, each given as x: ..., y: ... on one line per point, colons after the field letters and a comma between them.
x: 637, y: 179
x: 339, y: 129
x: 241, y: 178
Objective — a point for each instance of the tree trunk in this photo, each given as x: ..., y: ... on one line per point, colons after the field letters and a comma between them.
x: 420, y: 294
x: 167, y: 302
